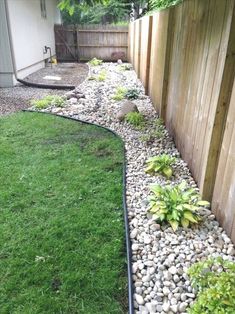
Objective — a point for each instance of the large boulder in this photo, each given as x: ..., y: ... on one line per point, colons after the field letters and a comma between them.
x: 126, y: 107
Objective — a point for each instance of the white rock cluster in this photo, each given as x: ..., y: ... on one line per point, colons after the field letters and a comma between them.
x: 160, y: 257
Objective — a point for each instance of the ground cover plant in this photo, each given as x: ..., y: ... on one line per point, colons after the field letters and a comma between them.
x: 61, y: 222
x: 50, y: 100
x: 160, y: 164
x: 102, y: 76
x: 214, y: 279
x: 132, y: 93
x: 178, y: 205
x: 119, y: 93
x: 125, y: 67
x: 136, y: 119
x: 95, y: 62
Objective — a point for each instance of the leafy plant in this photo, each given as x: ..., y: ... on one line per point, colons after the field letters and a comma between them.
x: 162, y: 4
x: 120, y: 93
x: 132, y: 93
x: 91, y: 78
x: 178, y: 205
x: 161, y: 164
x: 125, y: 67
x: 215, y: 281
x: 50, y: 100
x: 95, y: 62
x: 135, y: 118
x: 102, y: 76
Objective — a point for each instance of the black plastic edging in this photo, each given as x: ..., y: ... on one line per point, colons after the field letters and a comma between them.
x: 52, y: 86
x: 127, y: 232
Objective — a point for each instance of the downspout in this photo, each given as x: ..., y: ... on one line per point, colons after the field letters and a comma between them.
x: 10, y: 39
x: 70, y: 87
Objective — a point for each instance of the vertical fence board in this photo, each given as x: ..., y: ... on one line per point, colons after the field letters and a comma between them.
x: 224, y: 193
x: 145, y: 50
x: 222, y: 92
x: 158, y: 57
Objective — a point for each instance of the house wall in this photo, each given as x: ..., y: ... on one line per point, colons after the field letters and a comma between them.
x: 31, y: 32
x: 6, y: 66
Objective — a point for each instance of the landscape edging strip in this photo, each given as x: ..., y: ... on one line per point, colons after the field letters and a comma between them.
x: 47, y: 86
x: 126, y: 222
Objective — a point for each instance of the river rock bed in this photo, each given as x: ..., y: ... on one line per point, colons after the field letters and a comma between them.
x: 160, y: 257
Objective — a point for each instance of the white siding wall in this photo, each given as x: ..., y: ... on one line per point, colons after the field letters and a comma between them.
x: 6, y: 66
x: 31, y: 32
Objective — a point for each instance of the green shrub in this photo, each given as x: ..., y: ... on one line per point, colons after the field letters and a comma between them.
x: 132, y: 93
x: 135, y: 118
x: 120, y: 93
x: 95, y: 62
x: 178, y: 205
x: 161, y: 164
x: 102, y: 76
x: 50, y: 100
x: 215, y: 281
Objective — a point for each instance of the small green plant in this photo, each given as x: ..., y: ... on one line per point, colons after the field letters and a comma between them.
x: 132, y: 93
x: 125, y: 67
x: 159, y: 128
x: 91, y: 78
x: 120, y: 93
x: 102, y: 76
x: 178, y: 205
x: 95, y: 62
x: 215, y: 281
x: 161, y: 164
x: 147, y: 138
x: 135, y: 118
x: 50, y: 100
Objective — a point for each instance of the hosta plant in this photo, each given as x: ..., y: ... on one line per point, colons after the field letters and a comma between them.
x: 215, y: 281
x: 160, y: 164
x: 50, y: 100
x: 95, y: 62
x: 177, y: 205
x: 120, y: 93
x: 135, y: 118
x: 132, y: 93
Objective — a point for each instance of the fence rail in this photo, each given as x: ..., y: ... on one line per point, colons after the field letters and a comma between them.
x: 185, y: 57
x: 84, y: 42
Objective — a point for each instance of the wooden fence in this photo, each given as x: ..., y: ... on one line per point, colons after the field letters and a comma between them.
x: 84, y: 42
x: 185, y: 57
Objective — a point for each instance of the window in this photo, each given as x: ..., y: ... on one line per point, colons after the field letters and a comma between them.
x: 43, y: 9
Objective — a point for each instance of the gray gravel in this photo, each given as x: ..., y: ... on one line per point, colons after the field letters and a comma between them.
x: 18, y: 97
x: 160, y: 257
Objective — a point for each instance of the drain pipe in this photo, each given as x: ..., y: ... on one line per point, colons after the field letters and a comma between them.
x: 46, y: 49
x: 30, y: 84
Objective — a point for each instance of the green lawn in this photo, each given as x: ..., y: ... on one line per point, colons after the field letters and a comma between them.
x: 61, y: 217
